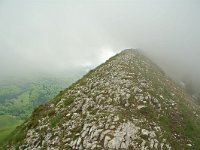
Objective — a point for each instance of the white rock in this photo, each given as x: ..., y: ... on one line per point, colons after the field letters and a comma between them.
x: 151, y: 143
x: 141, y: 106
x: 106, y: 140
x: 145, y: 132
x: 116, y: 118
x: 67, y: 115
x: 103, y: 134
x: 79, y: 141
x: 156, y: 144
x: 189, y: 145
x: 168, y: 146
x: 112, y: 127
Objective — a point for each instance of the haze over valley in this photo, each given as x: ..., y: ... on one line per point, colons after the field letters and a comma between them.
x: 53, y: 36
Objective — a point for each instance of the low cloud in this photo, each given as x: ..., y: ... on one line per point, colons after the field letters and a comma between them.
x: 52, y: 36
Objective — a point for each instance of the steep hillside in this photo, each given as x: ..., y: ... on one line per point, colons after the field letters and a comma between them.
x: 125, y: 103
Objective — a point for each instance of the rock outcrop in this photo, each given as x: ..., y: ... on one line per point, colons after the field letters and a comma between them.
x: 125, y: 103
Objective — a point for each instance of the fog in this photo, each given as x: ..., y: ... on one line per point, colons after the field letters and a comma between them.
x: 57, y: 35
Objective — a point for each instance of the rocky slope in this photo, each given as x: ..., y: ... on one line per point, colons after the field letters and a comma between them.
x: 125, y: 103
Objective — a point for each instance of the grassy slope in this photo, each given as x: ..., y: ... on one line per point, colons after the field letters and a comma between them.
x: 7, y: 125
x: 181, y: 121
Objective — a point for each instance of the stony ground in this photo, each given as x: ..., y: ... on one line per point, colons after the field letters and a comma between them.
x: 126, y: 103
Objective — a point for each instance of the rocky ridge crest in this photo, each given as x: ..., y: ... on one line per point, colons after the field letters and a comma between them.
x: 125, y: 103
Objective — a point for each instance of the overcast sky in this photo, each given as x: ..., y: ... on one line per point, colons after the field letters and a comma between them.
x: 56, y: 35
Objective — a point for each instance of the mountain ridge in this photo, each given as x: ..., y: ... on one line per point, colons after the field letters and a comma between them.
x: 126, y: 103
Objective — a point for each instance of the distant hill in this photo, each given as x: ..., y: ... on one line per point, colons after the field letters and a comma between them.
x: 19, y: 98
x: 126, y: 103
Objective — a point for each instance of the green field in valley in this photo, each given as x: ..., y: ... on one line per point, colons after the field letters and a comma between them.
x: 7, y: 125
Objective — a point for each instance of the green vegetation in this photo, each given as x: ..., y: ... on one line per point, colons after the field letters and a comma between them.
x: 7, y: 125
x: 18, y: 99
x: 68, y: 101
x: 16, y: 136
x: 55, y: 120
x: 191, y: 126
